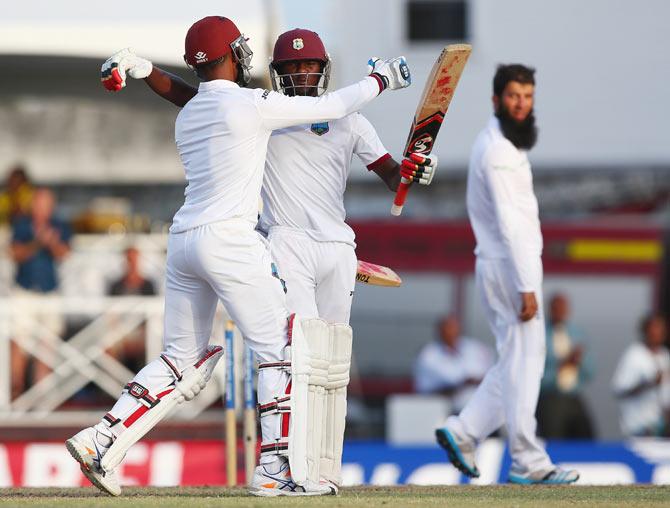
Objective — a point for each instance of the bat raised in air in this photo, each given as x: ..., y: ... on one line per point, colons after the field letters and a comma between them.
x: 437, y: 95
x: 376, y: 275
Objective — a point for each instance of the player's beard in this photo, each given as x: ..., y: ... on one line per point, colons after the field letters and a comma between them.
x: 522, y: 134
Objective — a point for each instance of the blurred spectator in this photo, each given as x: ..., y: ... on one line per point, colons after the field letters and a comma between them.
x: 16, y: 197
x: 39, y: 241
x: 642, y: 382
x: 132, y: 282
x: 561, y: 412
x: 452, y: 365
x: 131, y: 349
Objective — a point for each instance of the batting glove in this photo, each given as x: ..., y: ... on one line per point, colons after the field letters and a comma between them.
x: 419, y: 168
x: 115, y: 68
x: 392, y: 73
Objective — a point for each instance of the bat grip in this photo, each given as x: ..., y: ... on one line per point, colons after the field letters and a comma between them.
x: 400, y: 196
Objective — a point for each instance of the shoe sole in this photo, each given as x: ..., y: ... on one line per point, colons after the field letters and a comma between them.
x: 278, y: 493
x: 520, y: 480
x: 78, y: 455
x: 446, y: 441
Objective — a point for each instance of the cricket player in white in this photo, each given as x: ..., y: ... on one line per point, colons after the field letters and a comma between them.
x: 503, y: 212
x: 215, y: 254
x: 303, y: 214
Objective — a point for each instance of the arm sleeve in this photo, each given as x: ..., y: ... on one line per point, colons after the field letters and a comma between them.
x: 278, y: 110
x: 367, y: 145
x: 499, y: 172
x: 627, y: 374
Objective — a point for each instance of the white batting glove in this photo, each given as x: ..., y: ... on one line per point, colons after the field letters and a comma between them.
x: 419, y: 168
x: 392, y: 73
x: 114, y: 70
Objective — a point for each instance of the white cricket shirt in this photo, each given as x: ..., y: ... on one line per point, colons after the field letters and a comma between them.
x: 641, y: 365
x: 306, y: 175
x: 222, y: 135
x: 502, y: 206
x: 439, y: 367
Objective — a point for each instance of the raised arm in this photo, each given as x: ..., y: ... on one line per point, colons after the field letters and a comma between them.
x: 126, y: 63
x: 170, y: 87
x: 278, y: 111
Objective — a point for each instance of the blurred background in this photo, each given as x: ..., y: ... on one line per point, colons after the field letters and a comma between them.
x: 105, y: 168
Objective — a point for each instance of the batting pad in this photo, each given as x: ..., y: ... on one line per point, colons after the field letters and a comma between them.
x: 309, y: 371
x: 193, y: 380
x: 340, y: 341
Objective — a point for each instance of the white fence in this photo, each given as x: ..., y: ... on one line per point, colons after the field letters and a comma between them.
x: 72, y: 363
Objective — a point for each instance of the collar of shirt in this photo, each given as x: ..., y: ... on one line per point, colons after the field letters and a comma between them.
x: 216, y: 84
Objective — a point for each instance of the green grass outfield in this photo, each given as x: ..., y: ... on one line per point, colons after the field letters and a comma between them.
x: 459, y: 496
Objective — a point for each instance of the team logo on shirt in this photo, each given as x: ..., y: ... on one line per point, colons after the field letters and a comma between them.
x: 298, y: 44
x: 320, y: 128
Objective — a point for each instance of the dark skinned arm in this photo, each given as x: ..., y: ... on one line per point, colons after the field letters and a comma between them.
x: 389, y: 171
x: 170, y: 87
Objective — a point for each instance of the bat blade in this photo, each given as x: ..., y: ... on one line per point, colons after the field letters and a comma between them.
x: 376, y: 275
x: 432, y: 108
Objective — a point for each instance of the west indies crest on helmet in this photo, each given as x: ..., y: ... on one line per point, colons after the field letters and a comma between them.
x: 210, y: 39
x: 294, y: 46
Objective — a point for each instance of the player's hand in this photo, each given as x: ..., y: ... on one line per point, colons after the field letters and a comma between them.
x: 419, y: 168
x: 528, y: 306
x: 392, y: 73
x: 114, y: 70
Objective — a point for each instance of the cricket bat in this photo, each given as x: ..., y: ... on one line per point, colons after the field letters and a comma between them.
x: 430, y: 113
x: 376, y: 275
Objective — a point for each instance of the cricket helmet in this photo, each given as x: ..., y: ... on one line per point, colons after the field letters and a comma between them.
x: 296, y: 45
x: 212, y: 38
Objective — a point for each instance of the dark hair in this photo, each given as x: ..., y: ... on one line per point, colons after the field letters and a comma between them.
x: 512, y: 72
x: 646, y: 321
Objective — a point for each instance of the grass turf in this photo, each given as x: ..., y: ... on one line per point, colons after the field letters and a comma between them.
x: 410, y: 496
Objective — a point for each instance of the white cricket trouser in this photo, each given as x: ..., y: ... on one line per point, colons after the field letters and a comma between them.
x: 509, y: 392
x: 320, y: 276
x: 226, y: 261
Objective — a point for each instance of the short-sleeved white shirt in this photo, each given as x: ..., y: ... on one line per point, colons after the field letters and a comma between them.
x: 438, y: 367
x: 641, y: 365
x: 222, y: 136
x: 306, y: 175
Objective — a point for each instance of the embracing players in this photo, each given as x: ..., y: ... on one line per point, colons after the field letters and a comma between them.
x: 303, y: 216
x: 214, y: 253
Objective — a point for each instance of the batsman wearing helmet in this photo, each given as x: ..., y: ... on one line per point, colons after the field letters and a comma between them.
x: 303, y: 214
x: 215, y: 253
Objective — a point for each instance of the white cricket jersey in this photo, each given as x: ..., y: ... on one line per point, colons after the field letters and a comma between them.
x: 222, y: 135
x: 502, y: 206
x: 639, y: 365
x: 439, y: 367
x: 306, y: 175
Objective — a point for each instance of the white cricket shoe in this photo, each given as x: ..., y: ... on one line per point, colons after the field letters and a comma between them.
x: 88, y: 447
x: 331, y: 485
x: 268, y: 483
x: 554, y: 476
x: 461, y: 451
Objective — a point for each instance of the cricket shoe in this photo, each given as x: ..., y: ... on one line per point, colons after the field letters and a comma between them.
x: 461, y: 451
x: 88, y: 447
x: 556, y: 476
x: 331, y: 485
x: 267, y: 483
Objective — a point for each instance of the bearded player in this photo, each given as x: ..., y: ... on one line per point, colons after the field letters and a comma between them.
x: 303, y: 214
x: 215, y: 254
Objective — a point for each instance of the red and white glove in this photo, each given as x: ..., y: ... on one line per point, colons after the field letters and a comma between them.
x: 114, y: 70
x: 419, y: 168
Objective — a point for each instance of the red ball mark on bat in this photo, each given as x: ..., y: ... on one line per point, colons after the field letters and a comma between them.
x: 370, y: 267
x: 444, y: 81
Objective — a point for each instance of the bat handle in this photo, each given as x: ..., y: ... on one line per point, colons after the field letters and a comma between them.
x: 400, y: 196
